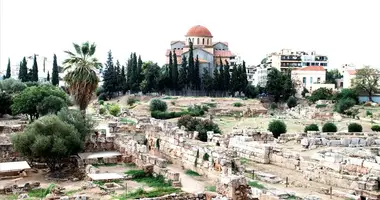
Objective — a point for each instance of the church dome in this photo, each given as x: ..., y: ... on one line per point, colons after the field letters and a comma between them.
x: 199, y: 31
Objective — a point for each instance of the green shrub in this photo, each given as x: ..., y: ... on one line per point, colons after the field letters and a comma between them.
x: 167, y: 115
x: 136, y: 173
x: 375, y: 128
x: 211, y: 105
x: 321, y: 94
x: 131, y: 101
x: 291, y: 102
x: 172, y: 102
x: 158, y: 105
x: 277, y: 127
x: 321, y: 106
x: 344, y: 104
x: 102, y: 110
x: 347, y: 93
x: 196, y: 110
x: 205, y: 108
x: 329, y: 127
x: 311, y: 127
x: 205, y: 157
x: 202, y: 126
x: 101, y: 102
x: 99, y: 91
x: 191, y: 173
x: 184, y: 120
x: 273, y: 106
x: 102, y: 96
x: 251, y: 92
x: 304, y: 92
x: 237, y: 104
x: 368, y: 113
x: 355, y: 127
x: 114, y: 110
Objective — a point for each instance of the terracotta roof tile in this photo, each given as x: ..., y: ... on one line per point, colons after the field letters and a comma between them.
x: 312, y: 68
x: 352, y: 71
x: 223, y: 53
x: 199, y: 31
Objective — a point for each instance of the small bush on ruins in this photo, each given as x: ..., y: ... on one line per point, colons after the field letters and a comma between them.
x: 311, y: 127
x: 347, y: 93
x: 131, y: 101
x: 273, y: 106
x: 101, y: 102
x: 191, y: 173
x: 355, y: 127
x: 50, y: 140
x: 304, y: 92
x: 344, y: 104
x: 375, y: 128
x: 237, y: 104
x: 211, y: 105
x: 321, y: 94
x: 195, y: 124
x: 74, y: 117
x: 158, y: 105
x: 321, y: 106
x: 173, y: 103
x: 368, y: 113
x: 205, y: 157
x: 102, y: 96
x: 114, y: 109
x: 167, y: 115
x: 277, y: 127
x: 255, y: 184
x: 205, y: 108
x: 329, y: 127
x: 102, y: 110
x: 211, y: 188
x: 136, y: 173
x: 292, y: 102
x: 141, y: 193
x: 196, y: 110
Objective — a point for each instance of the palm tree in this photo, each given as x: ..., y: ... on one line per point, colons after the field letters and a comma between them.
x: 81, y: 73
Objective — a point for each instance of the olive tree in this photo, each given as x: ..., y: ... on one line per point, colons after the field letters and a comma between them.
x: 50, y: 140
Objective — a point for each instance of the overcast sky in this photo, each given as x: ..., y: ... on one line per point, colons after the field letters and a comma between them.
x: 347, y: 31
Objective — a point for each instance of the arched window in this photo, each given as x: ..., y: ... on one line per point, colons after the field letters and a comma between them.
x: 208, y: 41
x: 203, y: 41
x: 197, y: 40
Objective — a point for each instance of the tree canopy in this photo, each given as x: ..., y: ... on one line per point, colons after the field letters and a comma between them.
x: 367, y: 80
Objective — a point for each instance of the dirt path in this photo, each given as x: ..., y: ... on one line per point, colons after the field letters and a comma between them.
x: 190, y: 184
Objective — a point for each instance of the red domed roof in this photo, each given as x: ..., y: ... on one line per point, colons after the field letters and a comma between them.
x: 199, y: 31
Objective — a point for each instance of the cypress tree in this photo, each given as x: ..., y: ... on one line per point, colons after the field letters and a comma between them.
x: 234, y: 80
x: 197, y: 80
x: 140, y: 75
x: 216, y: 79
x: 221, y: 76
x: 170, y: 68
x: 35, y: 69
x: 123, y: 80
x: 175, y: 71
x: 182, y: 77
x: 129, y: 72
x: 23, y: 73
x: 8, y: 73
x: 118, y: 83
x: 109, y: 77
x: 244, y: 75
x: 227, y: 78
x: 48, y: 77
x: 207, y: 81
x: 191, y: 66
x: 54, y: 75
x: 134, y: 78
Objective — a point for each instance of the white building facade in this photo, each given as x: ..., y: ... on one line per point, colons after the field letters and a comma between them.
x: 308, y: 77
x: 257, y: 75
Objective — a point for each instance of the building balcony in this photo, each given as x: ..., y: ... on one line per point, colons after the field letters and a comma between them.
x: 291, y: 57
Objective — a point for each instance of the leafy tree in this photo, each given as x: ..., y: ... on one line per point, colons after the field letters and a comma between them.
x: 355, y: 127
x: 292, y: 102
x: 207, y: 81
x: 50, y: 140
x: 175, y: 71
x: 54, y: 75
x: 367, y: 80
x: 48, y: 77
x: 329, y: 127
x: 84, y: 126
x: 82, y: 78
x: 331, y: 75
x: 114, y: 110
x: 321, y: 94
x: 251, y: 91
x: 289, y: 89
x: 34, y: 70
x: 274, y: 84
x: 51, y: 104
x: 277, y: 127
x: 347, y: 93
x: 151, y: 73
x: 12, y: 86
x: 183, y: 74
x: 344, y: 104
x: 158, y: 105
x: 5, y: 103
x: 23, y: 73
x: 311, y: 127
x: 31, y: 100
x: 8, y: 73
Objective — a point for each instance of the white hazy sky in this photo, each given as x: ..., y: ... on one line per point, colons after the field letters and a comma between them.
x: 348, y: 31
